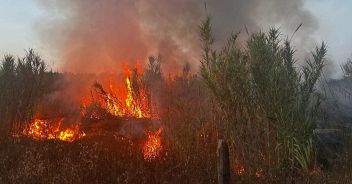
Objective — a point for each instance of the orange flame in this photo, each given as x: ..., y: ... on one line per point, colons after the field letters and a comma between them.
x: 42, y: 129
x: 131, y: 100
x: 152, y: 147
x: 240, y: 170
x: 259, y: 173
x: 128, y: 101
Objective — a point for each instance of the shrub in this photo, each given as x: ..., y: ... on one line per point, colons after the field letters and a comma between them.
x: 269, y: 105
x: 347, y: 68
x: 23, y: 84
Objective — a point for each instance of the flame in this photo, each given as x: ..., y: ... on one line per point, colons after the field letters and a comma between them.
x: 39, y: 129
x: 43, y: 129
x: 129, y: 100
x: 36, y: 129
x: 67, y: 135
x: 112, y: 107
x: 153, y: 146
x: 240, y: 170
x: 259, y: 173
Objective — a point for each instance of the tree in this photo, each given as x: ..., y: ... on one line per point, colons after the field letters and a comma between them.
x: 22, y: 85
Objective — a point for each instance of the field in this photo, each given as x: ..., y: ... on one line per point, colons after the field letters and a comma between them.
x: 275, y: 115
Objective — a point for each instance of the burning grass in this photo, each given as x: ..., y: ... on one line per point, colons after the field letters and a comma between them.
x: 117, y: 132
x: 45, y: 129
x: 132, y: 100
x: 99, y: 159
x: 116, y: 136
x: 153, y: 146
x: 125, y: 105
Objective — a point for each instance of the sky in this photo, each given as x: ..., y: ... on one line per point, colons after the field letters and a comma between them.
x: 17, y: 18
x: 335, y: 27
x: 18, y: 24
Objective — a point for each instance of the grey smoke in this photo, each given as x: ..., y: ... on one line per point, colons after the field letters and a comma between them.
x: 91, y: 36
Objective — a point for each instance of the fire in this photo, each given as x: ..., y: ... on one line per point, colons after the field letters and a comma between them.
x: 67, y: 135
x: 130, y: 103
x: 259, y: 173
x: 39, y: 129
x: 152, y: 147
x: 43, y: 129
x: 130, y: 100
x: 240, y: 170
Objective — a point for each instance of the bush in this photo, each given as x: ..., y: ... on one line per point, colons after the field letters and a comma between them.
x: 23, y: 84
x: 270, y: 106
x: 347, y: 68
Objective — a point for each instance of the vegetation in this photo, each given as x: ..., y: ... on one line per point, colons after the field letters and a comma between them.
x: 270, y: 105
x: 347, y: 68
x: 251, y: 94
x: 23, y: 84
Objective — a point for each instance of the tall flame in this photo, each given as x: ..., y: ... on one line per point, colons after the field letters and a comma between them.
x: 128, y: 101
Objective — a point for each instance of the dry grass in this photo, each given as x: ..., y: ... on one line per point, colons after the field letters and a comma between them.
x: 259, y: 109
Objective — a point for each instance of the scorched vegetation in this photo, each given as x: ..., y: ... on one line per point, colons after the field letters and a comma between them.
x: 146, y: 126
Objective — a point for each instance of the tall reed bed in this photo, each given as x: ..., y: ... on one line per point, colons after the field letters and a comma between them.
x: 269, y: 104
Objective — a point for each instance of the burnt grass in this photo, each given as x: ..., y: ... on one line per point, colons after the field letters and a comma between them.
x: 95, y: 159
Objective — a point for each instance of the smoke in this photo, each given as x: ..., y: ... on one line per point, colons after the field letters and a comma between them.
x: 90, y: 36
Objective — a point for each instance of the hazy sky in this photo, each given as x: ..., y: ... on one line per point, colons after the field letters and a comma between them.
x: 18, y: 18
x: 335, y: 27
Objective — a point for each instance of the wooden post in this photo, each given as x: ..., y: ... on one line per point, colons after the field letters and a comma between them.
x: 223, y: 162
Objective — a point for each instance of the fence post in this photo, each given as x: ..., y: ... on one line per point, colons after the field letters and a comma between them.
x: 223, y: 162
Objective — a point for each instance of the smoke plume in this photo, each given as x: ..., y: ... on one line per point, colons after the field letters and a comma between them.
x: 90, y: 36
